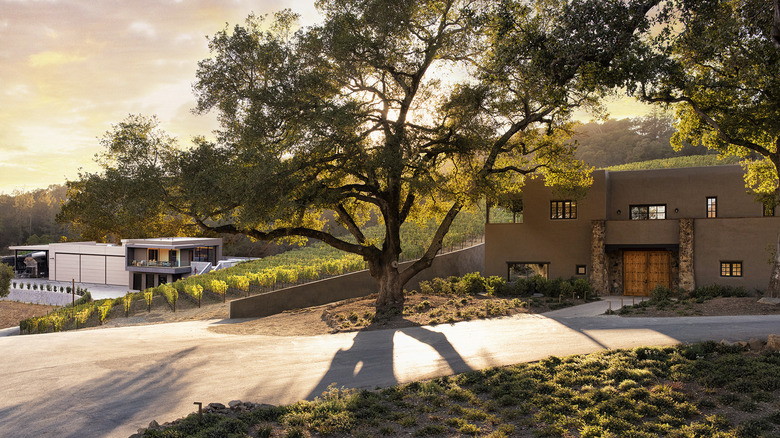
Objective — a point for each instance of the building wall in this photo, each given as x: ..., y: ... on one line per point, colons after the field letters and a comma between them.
x: 87, y: 262
x: 685, y: 190
x: 353, y: 285
x: 739, y: 233
x: 564, y: 243
x: 749, y: 240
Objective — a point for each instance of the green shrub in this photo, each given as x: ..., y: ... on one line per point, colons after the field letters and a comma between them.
x: 717, y: 290
x: 660, y: 294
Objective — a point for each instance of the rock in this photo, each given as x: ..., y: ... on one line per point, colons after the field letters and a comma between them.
x: 742, y: 344
x: 773, y: 342
x: 234, y: 404
x: 726, y: 343
x: 770, y: 301
x: 756, y: 344
x: 154, y: 425
x: 216, y: 406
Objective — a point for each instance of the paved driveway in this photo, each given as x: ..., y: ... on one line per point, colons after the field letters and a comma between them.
x: 109, y: 382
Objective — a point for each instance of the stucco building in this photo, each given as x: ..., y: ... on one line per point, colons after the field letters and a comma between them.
x: 633, y: 230
x: 136, y: 263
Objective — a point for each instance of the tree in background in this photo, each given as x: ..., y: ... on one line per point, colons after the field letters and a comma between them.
x: 406, y: 110
x: 28, y: 217
x: 613, y: 142
x: 721, y: 74
x: 121, y: 202
x: 6, y: 275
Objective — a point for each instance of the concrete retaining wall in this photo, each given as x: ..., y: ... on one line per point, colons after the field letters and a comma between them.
x: 353, y: 285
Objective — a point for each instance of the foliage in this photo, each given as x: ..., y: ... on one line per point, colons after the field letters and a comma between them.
x: 6, y: 275
x: 28, y: 218
x: 360, y: 117
x: 673, y: 163
x: 219, y: 287
x: 170, y: 293
x: 148, y: 297
x: 104, y: 309
x: 644, y: 392
x: 127, y: 302
x: 573, y: 288
x: 195, y: 291
x: 616, y: 142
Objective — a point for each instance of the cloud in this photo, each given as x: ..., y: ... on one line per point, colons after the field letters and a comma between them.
x: 143, y: 28
x: 45, y: 59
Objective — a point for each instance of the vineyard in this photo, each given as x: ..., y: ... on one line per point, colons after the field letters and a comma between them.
x: 314, y: 262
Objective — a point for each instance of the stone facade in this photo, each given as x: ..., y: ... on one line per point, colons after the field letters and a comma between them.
x: 685, y: 257
x: 598, y: 258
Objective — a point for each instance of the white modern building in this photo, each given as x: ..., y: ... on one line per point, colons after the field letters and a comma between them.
x: 136, y: 263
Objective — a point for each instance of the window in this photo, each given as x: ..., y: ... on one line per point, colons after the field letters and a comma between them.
x: 563, y: 209
x: 203, y: 254
x: 730, y: 269
x: 154, y: 255
x: 644, y: 212
x: 581, y: 270
x: 712, y: 206
x: 769, y: 209
x: 526, y: 270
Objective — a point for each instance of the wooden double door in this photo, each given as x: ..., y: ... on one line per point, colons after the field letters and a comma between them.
x: 644, y: 270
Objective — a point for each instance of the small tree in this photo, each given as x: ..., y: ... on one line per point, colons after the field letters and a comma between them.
x: 6, y: 275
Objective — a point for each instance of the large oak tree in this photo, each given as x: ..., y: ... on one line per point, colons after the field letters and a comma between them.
x: 721, y: 69
x: 403, y: 109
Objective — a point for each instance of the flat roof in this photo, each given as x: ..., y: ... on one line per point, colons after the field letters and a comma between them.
x: 172, y: 242
x: 29, y: 248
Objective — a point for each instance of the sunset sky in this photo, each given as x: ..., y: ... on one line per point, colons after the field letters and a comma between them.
x: 71, y: 68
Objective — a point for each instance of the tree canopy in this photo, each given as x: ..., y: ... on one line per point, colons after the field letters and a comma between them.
x: 719, y: 68
x: 406, y: 110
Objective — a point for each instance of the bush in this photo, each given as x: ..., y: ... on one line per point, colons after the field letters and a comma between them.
x: 716, y: 290
x: 660, y: 294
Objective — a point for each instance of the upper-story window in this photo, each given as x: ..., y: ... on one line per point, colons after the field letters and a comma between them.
x: 154, y: 255
x: 644, y: 212
x: 563, y: 209
x: 712, y: 206
x: 769, y: 209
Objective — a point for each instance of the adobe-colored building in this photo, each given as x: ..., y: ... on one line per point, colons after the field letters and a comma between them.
x: 633, y: 230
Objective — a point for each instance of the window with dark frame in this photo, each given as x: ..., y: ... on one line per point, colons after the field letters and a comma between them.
x: 730, y: 269
x: 527, y: 270
x: 769, y: 209
x: 712, y: 206
x: 581, y: 270
x: 648, y: 212
x: 563, y: 209
x: 154, y: 255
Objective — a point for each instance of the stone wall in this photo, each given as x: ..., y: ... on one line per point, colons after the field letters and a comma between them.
x: 598, y: 259
x: 353, y: 285
x: 685, y: 257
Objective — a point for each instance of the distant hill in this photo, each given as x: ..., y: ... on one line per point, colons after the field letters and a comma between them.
x: 676, y: 162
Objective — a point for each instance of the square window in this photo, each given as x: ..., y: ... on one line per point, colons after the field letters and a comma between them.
x: 730, y: 269
x: 581, y: 270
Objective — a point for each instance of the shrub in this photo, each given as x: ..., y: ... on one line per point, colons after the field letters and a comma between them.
x: 104, y: 309
x: 48, y: 287
x: 219, y: 287
x: 660, y: 294
x: 471, y: 284
x: 127, y: 303
x: 29, y: 286
x: 148, y: 296
x: 195, y: 291
x: 170, y: 293
x: 716, y: 290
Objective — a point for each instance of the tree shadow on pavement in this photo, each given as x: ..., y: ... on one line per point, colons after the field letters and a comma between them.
x: 369, y: 362
x: 98, y: 406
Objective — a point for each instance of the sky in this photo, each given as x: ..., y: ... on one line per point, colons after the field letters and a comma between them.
x: 69, y: 69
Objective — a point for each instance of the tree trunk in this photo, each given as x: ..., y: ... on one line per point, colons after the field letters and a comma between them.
x: 391, y: 292
x: 774, y: 282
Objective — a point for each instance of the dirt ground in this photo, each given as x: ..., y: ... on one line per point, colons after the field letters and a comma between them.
x: 359, y: 314
x: 713, y: 307
x: 11, y: 312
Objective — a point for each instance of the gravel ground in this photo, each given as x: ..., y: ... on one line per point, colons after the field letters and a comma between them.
x: 39, y: 297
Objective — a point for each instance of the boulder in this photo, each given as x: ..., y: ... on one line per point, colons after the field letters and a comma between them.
x: 234, y: 404
x: 770, y: 301
x: 756, y: 344
x: 773, y: 342
x: 726, y: 342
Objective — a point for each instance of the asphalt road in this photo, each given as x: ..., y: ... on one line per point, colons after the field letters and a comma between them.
x: 110, y: 382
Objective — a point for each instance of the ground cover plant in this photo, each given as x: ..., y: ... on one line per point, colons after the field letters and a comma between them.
x: 700, y: 390
x: 664, y: 301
